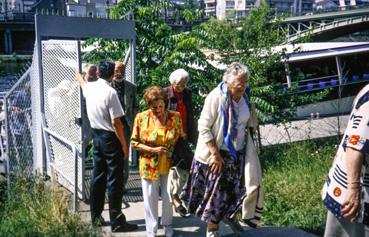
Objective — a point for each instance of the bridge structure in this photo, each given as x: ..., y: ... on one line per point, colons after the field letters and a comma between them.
x: 326, y: 26
x: 17, y: 34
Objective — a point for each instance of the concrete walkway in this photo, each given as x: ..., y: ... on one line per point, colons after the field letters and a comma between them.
x: 184, y: 227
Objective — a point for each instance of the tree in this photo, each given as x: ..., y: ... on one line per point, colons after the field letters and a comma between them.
x: 159, y: 49
x: 253, y: 40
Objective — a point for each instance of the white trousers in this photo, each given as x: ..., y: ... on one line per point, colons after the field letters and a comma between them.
x: 150, y: 190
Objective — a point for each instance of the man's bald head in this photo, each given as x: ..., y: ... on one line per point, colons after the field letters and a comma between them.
x: 119, y: 70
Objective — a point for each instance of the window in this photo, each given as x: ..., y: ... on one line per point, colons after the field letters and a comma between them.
x: 229, y: 4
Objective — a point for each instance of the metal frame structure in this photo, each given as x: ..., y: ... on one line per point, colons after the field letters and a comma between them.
x: 74, y: 29
x: 321, y: 23
x: 8, y: 132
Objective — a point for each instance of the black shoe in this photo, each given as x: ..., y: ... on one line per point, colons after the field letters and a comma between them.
x: 125, y: 227
x: 181, y: 210
x: 249, y: 223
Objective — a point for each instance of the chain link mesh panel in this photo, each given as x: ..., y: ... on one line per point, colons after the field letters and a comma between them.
x: 130, y: 89
x: 18, y: 128
x: 62, y: 107
x: 128, y: 66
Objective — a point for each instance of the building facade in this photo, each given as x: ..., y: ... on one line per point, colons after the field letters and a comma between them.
x: 90, y: 8
x: 9, y: 7
x: 233, y: 9
x: 183, y: 2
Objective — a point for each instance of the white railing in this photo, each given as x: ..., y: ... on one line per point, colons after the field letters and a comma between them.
x: 313, y: 29
x: 47, y: 132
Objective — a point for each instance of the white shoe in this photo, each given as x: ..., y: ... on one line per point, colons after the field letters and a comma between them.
x: 169, y: 232
x: 214, y: 233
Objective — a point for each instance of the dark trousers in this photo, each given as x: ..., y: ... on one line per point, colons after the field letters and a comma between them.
x: 107, y: 172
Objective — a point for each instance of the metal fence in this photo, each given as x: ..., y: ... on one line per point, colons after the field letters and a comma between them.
x: 18, y: 124
x: 44, y: 112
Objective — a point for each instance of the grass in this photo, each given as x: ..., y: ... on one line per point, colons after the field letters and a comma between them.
x: 293, y: 177
x: 36, y: 209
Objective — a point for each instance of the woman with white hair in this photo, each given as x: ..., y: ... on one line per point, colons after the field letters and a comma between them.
x: 180, y: 100
x: 213, y: 190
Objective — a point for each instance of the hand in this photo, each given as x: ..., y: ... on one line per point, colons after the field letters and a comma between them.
x: 216, y: 163
x: 79, y: 76
x: 351, y: 206
x: 160, y: 150
x: 125, y: 152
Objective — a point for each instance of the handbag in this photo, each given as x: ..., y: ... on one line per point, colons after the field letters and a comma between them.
x: 182, y: 155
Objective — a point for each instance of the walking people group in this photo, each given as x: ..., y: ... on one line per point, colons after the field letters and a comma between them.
x: 209, y: 183
x: 223, y: 176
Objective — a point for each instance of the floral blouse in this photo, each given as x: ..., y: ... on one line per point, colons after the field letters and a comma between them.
x: 145, y: 132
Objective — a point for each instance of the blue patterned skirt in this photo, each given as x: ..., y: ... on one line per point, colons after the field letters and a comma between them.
x: 211, y: 196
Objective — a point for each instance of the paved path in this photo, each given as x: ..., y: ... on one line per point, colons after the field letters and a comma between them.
x: 133, y: 209
x: 190, y: 226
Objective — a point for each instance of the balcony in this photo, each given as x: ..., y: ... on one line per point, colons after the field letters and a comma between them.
x: 209, y: 9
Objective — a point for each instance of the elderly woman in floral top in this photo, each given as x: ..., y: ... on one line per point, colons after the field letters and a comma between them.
x: 155, y: 133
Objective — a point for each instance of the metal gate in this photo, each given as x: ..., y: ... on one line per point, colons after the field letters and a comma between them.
x: 58, y: 118
x: 62, y: 111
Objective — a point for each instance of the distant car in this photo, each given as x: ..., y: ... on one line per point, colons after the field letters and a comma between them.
x: 309, y: 14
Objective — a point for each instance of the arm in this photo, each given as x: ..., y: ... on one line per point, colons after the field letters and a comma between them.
x: 354, y: 155
x: 79, y: 78
x: 207, y: 119
x: 354, y: 161
x: 208, y: 115
x: 118, y: 128
x: 136, y: 141
x: 215, y: 161
x: 151, y: 149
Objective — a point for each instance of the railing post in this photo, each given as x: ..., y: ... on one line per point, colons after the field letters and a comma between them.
x: 75, y: 179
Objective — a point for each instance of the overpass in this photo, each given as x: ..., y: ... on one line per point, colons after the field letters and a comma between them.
x: 325, y: 26
x: 17, y: 34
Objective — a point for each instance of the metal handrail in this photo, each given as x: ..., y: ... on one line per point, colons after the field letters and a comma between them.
x: 74, y: 150
x: 328, y: 26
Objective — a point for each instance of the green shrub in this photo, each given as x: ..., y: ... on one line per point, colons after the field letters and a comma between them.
x: 35, y: 209
x: 293, y: 177
x: 3, y: 187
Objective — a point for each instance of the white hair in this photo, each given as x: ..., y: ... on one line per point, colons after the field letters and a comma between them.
x: 178, y: 76
x: 234, y: 70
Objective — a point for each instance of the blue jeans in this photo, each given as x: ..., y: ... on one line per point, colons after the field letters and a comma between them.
x: 107, y: 172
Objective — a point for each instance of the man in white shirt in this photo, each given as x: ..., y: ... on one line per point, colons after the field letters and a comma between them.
x: 104, y: 112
